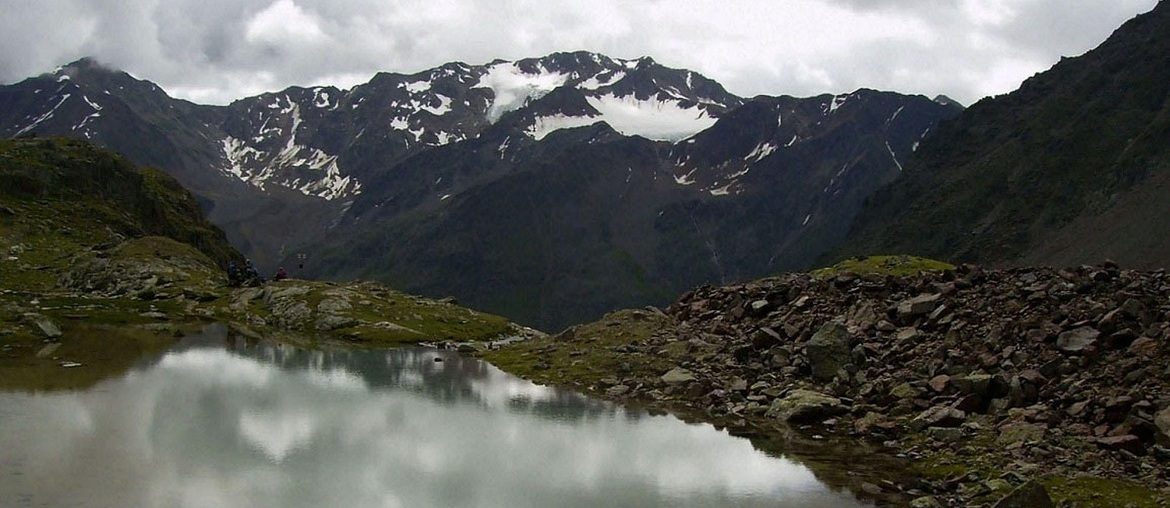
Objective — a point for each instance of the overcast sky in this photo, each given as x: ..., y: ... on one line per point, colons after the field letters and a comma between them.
x: 214, y: 51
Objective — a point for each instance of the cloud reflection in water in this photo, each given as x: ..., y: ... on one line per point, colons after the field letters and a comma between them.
x: 276, y: 426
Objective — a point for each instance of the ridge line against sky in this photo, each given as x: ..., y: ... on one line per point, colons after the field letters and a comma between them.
x: 215, y: 51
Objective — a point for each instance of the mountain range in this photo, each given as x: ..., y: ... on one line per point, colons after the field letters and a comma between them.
x: 548, y: 189
x: 554, y: 189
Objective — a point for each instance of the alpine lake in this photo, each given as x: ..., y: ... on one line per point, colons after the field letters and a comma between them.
x: 222, y: 421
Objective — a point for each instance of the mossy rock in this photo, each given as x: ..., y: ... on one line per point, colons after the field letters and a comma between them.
x: 1095, y: 492
x: 586, y: 354
x: 884, y: 265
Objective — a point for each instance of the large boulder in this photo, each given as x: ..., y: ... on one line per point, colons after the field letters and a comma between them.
x: 828, y: 351
x: 973, y: 384
x: 279, y: 294
x: 330, y: 322
x: 290, y: 314
x: 1077, y: 340
x: 678, y: 376
x: 919, y: 305
x: 805, y: 406
x: 938, y: 416
x: 47, y: 327
x: 1162, y: 420
x: 1028, y: 495
x: 333, y: 305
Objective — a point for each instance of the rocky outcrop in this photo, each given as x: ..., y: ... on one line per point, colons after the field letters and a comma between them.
x: 145, y: 268
x: 828, y: 351
x: 362, y: 312
x: 1065, y: 371
x: 678, y: 376
x: 805, y: 406
x: 1162, y: 420
x: 1028, y: 495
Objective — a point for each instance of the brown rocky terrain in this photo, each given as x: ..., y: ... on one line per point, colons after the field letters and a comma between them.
x: 982, y: 379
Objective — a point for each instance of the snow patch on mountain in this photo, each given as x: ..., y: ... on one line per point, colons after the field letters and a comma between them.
x: 721, y: 191
x: 836, y: 103
x: 307, y: 169
x: 446, y: 138
x: 544, y: 125
x: 762, y: 150
x: 97, y: 113
x: 41, y: 119
x: 503, y: 149
x: 893, y: 156
x: 417, y: 86
x: 333, y: 185
x: 323, y: 99
x: 601, y: 82
x: 895, y: 116
x: 91, y: 104
x: 238, y: 155
x: 652, y: 119
x: 685, y: 179
x: 443, y: 108
x: 291, y: 146
x: 513, y: 87
x: 660, y: 120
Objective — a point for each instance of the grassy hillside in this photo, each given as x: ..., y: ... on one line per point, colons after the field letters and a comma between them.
x: 99, y: 196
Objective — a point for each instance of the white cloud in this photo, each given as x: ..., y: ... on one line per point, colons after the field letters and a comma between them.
x: 989, y: 12
x: 283, y: 22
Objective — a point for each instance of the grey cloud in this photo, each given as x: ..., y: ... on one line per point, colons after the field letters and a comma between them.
x: 200, y: 48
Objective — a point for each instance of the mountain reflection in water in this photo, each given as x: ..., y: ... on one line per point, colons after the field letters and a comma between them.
x: 223, y: 423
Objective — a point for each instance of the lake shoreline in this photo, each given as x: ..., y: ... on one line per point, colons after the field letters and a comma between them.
x: 765, y: 356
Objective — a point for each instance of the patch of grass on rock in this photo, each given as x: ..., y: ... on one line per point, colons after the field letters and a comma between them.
x: 586, y: 354
x: 884, y: 265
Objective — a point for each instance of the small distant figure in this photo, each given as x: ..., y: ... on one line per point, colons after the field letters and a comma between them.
x: 252, y: 277
x: 281, y: 274
x: 234, y: 276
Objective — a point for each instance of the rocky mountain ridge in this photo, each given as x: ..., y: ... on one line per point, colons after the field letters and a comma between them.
x: 563, y: 228
x: 295, y: 138
x: 394, y: 179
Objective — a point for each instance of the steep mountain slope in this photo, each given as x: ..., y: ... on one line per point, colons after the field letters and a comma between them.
x: 138, y: 119
x: 53, y: 184
x: 558, y: 226
x: 1070, y: 168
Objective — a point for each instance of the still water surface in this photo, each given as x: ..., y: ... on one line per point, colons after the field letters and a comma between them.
x: 217, y: 422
